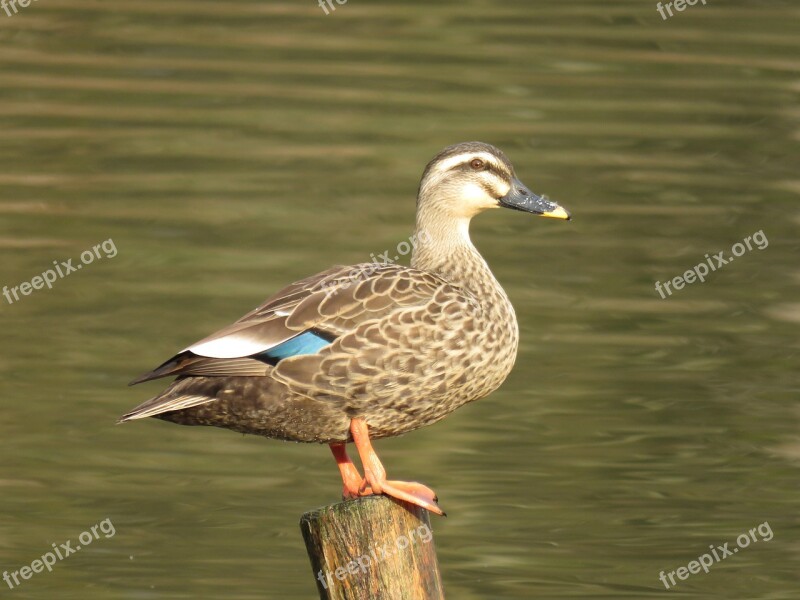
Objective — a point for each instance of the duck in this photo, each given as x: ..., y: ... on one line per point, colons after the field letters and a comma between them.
x: 368, y: 351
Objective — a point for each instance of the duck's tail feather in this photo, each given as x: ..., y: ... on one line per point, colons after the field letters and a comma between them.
x: 165, y: 402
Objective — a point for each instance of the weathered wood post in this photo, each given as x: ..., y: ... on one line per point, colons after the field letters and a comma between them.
x: 372, y: 548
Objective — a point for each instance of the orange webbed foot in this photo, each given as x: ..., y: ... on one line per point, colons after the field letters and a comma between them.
x: 374, y: 480
x: 414, y: 493
x: 375, y: 474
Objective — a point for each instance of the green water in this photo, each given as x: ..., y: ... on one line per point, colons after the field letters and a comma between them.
x: 230, y: 148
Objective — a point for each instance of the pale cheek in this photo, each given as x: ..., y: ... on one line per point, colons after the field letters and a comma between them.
x: 475, y: 197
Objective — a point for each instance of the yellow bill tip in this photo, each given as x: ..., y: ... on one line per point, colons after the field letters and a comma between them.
x: 558, y: 213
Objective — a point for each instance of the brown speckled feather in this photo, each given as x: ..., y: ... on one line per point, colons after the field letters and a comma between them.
x: 393, y: 328
x: 398, y: 347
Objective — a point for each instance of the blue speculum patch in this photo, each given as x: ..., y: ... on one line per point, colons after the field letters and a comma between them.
x: 307, y: 342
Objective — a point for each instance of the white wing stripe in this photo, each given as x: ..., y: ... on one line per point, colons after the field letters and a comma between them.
x: 230, y: 346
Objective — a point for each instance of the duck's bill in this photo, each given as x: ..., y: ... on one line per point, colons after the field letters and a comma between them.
x: 521, y: 198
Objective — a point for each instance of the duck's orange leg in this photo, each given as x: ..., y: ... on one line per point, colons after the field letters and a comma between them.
x: 351, y: 478
x: 375, y: 474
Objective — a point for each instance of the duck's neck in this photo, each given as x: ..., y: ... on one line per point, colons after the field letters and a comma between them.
x: 443, y: 247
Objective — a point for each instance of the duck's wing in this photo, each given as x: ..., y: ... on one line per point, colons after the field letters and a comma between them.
x: 301, y: 319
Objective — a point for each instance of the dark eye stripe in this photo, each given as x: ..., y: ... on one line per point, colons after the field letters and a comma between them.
x: 488, y: 166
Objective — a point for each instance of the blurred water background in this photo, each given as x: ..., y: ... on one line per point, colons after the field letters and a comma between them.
x: 230, y: 148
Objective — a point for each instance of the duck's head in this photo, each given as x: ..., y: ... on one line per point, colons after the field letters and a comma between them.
x: 468, y: 178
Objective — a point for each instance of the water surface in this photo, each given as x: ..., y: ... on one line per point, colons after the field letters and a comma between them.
x: 229, y: 148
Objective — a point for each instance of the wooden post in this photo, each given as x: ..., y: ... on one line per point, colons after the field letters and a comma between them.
x: 372, y: 547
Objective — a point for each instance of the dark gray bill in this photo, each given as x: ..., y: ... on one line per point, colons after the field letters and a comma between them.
x: 519, y: 197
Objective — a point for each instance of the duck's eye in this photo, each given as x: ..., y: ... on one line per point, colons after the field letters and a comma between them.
x: 477, y: 164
